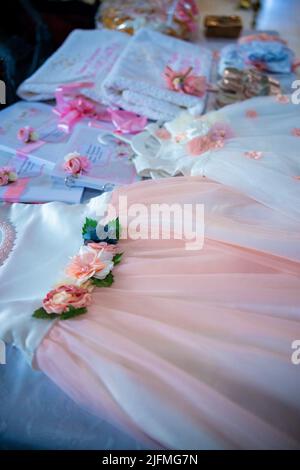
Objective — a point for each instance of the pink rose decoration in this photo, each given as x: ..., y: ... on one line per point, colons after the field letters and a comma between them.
x: 59, y: 300
x: 251, y: 113
x: 196, y: 86
x: 183, y: 82
x: 27, y: 134
x: 75, y: 164
x: 7, y: 175
x: 84, y: 267
x: 3, y: 179
x: 89, y: 263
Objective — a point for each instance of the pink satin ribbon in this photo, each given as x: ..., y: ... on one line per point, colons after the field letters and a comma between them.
x: 15, y: 190
x: 71, y: 107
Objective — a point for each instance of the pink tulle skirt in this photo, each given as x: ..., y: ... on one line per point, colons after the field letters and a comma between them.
x: 190, y: 349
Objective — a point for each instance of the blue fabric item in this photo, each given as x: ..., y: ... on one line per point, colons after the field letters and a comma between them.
x: 276, y: 57
x: 36, y: 415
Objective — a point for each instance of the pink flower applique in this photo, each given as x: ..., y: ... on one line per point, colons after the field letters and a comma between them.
x: 7, y: 175
x: 251, y: 113
x: 27, y: 134
x: 162, y: 134
x: 187, y: 11
x: 75, y: 164
x: 183, y: 82
x: 296, y: 132
x: 59, y: 300
x: 90, y: 262
x: 254, y: 154
x: 297, y: 178
x: 283, y: 99
x: 199, y: 145
x: 220, y: 131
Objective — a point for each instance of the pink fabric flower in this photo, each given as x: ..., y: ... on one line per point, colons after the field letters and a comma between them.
x: 163, y: 134
x: 90, y: 263
x: 296, y: 132
x: 7, y: 175
x: 3, y: 178
x: 83, y: 267
x: 251, y: 113
x: 60, y: 299
x: 27, y: 134
x: 183, y: 82
x: 283, y: 99
x: 195, y: 85
x: 199, y: 145
x: 220, y: 131
x: 254, y: 154
x: 75, y: 164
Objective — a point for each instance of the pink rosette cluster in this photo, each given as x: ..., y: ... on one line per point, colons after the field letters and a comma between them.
x: 213, y: 140
x: 27, y: 134
x: 7, y: 175
x: 59, y: 300
x: 183, y: 82
x: 76, y: 164
x: 93, y: 260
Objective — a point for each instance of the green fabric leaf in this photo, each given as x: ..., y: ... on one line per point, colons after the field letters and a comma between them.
x: 106, y: 282
x: 72, y: 312
x: 89, y: 224
x: 117, y: 258
x: 43, y: 315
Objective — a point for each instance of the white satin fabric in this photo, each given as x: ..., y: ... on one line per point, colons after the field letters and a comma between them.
x: 263, y: 125
x: 46, y: 237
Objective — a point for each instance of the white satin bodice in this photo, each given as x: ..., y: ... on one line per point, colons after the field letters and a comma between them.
x: 35, y: 248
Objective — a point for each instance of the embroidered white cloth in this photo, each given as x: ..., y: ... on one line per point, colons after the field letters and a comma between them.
x: 35, y: 246
x: 253, y: 147
x: 86, y: 55
x: 136, y: 81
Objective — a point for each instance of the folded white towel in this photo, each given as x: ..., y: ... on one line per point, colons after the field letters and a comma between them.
x: 86, y: 55
x: 136, y: 81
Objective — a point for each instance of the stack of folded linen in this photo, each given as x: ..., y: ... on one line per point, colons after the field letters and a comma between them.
x: 136, y: 82
x: 85, y: 56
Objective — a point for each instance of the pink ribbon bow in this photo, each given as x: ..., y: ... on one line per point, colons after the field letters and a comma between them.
x: 184, y: 82
x: 72, y: 107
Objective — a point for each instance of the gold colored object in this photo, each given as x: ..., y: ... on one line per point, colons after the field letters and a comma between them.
x: 130, y: 15
x: 223, y: 26
x: 239, y: 85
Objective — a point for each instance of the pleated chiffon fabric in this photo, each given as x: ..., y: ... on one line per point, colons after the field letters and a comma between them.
x: 191, y: 349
